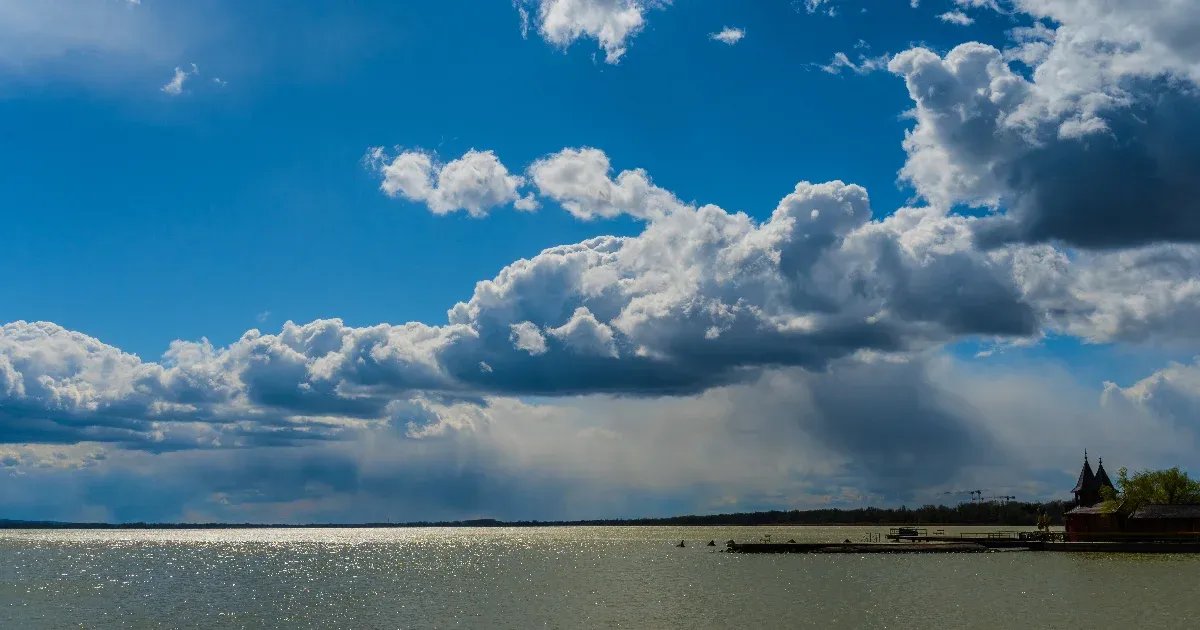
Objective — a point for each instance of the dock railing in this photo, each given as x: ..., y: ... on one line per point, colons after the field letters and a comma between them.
x: 1042, y: 536
x: 907, y: 530
x: 921, y: 534
x: 1192, y: 537
x: 918, y: 534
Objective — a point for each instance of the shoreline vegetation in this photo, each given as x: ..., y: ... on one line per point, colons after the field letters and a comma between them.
x: 974, y: 513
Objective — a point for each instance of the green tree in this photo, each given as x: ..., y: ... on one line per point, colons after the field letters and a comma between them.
x: 1164, y: 487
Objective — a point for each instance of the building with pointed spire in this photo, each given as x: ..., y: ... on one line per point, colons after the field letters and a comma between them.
x: 1087, y: 489
x: 1087, y: 517
x: 1088, y: 520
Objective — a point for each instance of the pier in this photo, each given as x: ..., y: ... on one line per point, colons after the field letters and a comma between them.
x: 856, y: 548
x: 991, y: 540
x: 918, y: 540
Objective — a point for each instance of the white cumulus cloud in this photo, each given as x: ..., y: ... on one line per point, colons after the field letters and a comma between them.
x: 526, y: 336
x: 612, y: 23
x: 580, y: 180
x: 728, y: 35
x: 476, y: 183
x: 584, y: 333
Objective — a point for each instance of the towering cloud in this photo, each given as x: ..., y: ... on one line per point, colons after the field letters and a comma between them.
x: 701, y: 298
x: 1097, y: 150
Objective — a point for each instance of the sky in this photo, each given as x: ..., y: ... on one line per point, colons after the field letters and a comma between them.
x: 557, y: 259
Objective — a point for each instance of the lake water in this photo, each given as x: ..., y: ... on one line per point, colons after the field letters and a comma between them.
x: 577, y: 577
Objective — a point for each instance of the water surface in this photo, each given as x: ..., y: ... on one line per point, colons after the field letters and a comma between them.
x: 568, y: 577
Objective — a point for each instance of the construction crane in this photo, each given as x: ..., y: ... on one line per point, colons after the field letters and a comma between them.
x: 1001, y: 498
x: 976, y: 495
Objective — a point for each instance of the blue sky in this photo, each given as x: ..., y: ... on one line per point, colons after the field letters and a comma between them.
x: 138, y: 215
x: 212, y: 207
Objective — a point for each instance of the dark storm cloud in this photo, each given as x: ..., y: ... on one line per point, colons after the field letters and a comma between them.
x: 686, y: 367
x: 966, y: 299
x: 1133, y: 185
x: 902, y: 431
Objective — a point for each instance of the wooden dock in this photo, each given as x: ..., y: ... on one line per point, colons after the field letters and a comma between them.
x: 857, y: 548
x: 969, y: 547
x: 918, y: 540
x: 1000, y: 539
x: 990, y: 542
x: 1058, y: 541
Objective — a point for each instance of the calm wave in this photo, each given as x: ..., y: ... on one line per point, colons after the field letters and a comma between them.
x: 577, y: 577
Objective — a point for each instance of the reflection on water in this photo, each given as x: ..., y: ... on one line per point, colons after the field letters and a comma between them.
x: 579, y: 577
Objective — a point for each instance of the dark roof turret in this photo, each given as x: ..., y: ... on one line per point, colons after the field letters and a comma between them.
x: 1102, y: 479
x: 1087, y: 479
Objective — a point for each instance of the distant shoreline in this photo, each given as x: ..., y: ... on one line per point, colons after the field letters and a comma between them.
x: 31, y: 525
x: 964, y: 515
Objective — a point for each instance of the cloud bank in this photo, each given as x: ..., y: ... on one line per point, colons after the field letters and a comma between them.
x: 793, y: 360
x: 702, y: 298
x: 702, y: 302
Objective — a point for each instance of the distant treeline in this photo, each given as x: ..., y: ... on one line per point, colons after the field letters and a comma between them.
x: 977, y: 513
x: 984, y: 513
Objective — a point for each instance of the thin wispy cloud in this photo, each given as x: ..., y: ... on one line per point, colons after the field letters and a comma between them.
x: 980, y: 4
x: 524, y: 13
x: 957, y: 17
x: 175, y: 86
x: 819, y: 6
x: 865, y: 65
